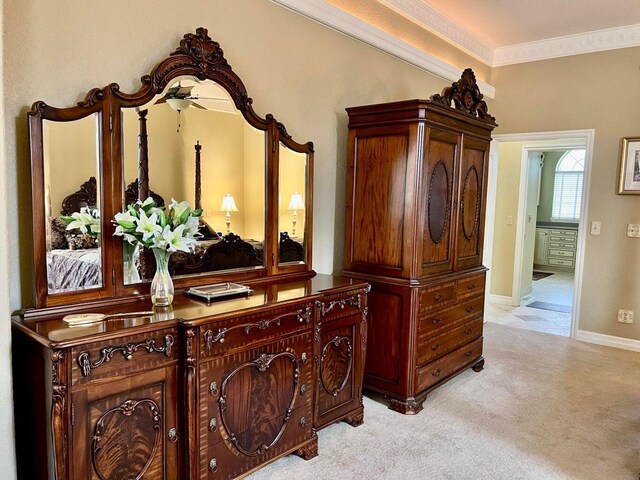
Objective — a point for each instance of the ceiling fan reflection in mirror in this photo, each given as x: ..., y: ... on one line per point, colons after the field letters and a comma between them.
x: 201, y: 95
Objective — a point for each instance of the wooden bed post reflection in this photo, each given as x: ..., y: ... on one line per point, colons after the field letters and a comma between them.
x: 143, y: 174
x: 198, y: 148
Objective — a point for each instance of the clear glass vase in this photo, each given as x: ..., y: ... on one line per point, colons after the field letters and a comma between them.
x: 131, y: 273
x: 162, y: 285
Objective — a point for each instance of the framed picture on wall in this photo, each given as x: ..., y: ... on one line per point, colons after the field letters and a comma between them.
x: 630, y: 167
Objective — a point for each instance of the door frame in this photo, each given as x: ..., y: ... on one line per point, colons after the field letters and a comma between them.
x: 535, y: 141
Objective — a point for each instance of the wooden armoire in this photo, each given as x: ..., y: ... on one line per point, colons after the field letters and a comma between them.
x: 415, y: 211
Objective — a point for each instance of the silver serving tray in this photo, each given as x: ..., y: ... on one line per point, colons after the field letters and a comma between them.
x: 217, y: 290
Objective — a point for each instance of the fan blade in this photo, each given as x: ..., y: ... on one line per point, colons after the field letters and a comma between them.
x: 197, y: 106
x: 207, y: 98
x: 161, y: 100
x: 183, y: 92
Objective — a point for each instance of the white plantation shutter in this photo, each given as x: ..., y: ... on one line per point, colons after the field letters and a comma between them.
x: 567, y: 188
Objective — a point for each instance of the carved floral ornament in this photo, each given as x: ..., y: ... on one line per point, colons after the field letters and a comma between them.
x: 465, y: 96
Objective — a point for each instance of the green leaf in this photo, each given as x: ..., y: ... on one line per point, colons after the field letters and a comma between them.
x: 163, y: 219
x: 127, y: 225
x: 133, y: 211
x: 196, y: 213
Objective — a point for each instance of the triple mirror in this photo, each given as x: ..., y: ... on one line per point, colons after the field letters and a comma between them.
x: 190, y: 134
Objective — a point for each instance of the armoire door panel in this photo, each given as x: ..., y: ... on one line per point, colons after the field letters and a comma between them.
x: 470, y: 216
x: 438, y: 175
x: 380, y: 171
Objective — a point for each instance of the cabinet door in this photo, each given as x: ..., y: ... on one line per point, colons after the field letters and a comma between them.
x: 471, y: 202
x: 438, y: 177
x: 254, y: 405
x: 540, y: 256
x: 126, y: 428
x: 341, y: 363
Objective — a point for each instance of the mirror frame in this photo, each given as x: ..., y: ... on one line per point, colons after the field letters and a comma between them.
x: 197, y: 56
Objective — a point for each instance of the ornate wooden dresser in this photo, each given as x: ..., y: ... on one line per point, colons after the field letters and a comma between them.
x: 415, y: 225
x: 201, y: 389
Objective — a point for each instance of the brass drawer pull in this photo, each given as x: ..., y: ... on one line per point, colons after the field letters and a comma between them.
x: 127, y: 350
x: 471, y: 287
x: 468, y: 331
x: 303, y: 358
x: 436, y: 321
x: 213, y: 388
x: 213, y: 425
x: 303, y: 422
x: 435, y: 347
x: 436, y: 373
x: 303, y: 389
x: 469, y: 309
x: 438, y: 296
x: 213, y: 465
x: 469, y: 353
x: 173, y: 435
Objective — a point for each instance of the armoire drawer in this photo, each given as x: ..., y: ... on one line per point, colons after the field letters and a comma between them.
x: 470, y: 286
x: 220, y: 337
x: 430, y: 348
x: 437, y: 322
x: 434, y: 297
x: 561, y: 262
x: 127, y: 354
x: 435, y: 371
x: 226, y: 459
x: 569, y: 233
x: 562, y: 253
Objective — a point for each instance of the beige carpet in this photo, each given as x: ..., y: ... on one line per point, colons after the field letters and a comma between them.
x: 544, y: 408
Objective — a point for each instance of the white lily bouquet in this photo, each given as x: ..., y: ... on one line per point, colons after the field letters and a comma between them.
x: 173, y: 229
x: 87, y: 220
x: 164, y: 231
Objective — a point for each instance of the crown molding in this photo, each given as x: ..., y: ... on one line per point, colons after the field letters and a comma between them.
x: 588, y: 42
x: 419, y: 12
x: 331, y: 16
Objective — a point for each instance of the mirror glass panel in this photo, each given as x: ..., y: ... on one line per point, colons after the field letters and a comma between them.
x: 292, y: 205
x: 200, y: 149
x: 72, y: 204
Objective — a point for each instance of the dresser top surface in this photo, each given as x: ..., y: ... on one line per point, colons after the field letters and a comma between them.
x: 52, y: 332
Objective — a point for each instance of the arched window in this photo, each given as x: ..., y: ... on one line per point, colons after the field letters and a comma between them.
x: 567, y: 188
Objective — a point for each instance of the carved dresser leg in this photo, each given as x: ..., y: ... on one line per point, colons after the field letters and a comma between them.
x: 310, y: 450
x: 356, y: 419
x: 410, y: 406
x: 479, y: 365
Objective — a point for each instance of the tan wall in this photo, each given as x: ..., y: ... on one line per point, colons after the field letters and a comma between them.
x: 598, y: 91
x: 504, y: 240
x: 292, y: 180
x: 303, y: 72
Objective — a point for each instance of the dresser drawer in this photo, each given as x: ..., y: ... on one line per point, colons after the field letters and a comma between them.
x: 437, y: 322
x: 341, y: 305
x: 228, y: 459
x: 433, y: 372
x: 124, y: 355
x: 433, y: 347
x: 562, y: 253
x: 220, y: 337
x: 561, y: 262
x: 470, y: 286
x: 280, y: 373
x: 438, y: 296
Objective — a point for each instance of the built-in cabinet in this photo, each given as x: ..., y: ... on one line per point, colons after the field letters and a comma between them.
x: 415, y: 223
x: 555, y: 247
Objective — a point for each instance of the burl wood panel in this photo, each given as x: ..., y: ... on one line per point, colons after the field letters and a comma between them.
x: 380, y: 176
x: 125, y: 435
x: 471, y: 204
x: 437, y: 204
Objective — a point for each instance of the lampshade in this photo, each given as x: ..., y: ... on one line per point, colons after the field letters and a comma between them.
x: 178, y: 104
x: 228, y: 204
x: 296, y: 202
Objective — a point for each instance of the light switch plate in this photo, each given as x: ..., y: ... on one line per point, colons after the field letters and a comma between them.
x: 596, y: 228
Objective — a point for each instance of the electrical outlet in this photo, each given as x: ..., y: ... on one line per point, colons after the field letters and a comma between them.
x: 595, y: 228
x: 633, y: 230
x: 625, y: 316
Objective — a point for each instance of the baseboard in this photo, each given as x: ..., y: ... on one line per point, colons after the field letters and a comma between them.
x: 528, y: 298
x: 608, y: 340
x: 500, y: 299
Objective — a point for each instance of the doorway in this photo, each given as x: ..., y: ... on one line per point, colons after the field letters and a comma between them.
x: 536, y: 226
